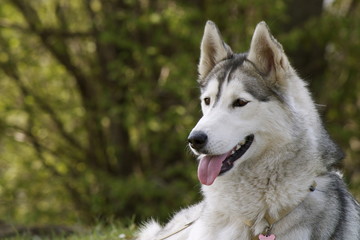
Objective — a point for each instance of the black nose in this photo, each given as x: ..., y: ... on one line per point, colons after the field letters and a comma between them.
x: 197, y: 139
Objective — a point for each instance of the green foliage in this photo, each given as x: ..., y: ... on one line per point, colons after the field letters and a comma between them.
x: 97, y: 98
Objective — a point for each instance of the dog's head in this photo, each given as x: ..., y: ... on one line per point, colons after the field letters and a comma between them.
x: 248, y: 102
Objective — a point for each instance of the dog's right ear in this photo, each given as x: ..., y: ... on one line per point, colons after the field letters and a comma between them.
x: 213, y: 50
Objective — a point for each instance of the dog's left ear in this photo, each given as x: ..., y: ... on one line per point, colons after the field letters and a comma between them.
x: 268, y: 55
x: 213, y: 50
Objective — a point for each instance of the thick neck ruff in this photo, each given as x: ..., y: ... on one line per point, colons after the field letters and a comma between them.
x: 250, y: 223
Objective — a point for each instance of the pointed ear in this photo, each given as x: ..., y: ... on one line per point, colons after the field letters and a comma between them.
x: 213, y: 49
x: 268, y: 55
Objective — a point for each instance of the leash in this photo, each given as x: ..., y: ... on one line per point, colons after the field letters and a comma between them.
x: 180, y: 230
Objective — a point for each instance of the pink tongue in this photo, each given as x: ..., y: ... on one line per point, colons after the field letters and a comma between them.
x: 210, y: 167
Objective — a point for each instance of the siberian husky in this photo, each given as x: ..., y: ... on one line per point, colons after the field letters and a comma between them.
x: 265, y: 159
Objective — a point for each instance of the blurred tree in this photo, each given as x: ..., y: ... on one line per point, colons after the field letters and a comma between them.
x: 91, y: 81
x: 99, y: 96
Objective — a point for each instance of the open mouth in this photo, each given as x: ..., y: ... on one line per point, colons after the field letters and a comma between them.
x: 211, y: 166
x: 236, y: 153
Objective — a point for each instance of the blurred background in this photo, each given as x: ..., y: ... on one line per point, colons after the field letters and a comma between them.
x: 97, y: 98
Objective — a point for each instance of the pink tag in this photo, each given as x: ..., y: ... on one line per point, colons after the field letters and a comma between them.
x: 270, y: 237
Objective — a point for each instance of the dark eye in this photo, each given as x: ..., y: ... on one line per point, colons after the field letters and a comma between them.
x: 207, y: 101
x: 239, y: 102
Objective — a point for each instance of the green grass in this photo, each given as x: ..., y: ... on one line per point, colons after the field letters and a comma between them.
x: 114, y: 231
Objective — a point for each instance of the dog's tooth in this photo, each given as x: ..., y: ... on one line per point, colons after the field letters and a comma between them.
x: 238, y: 147
x: 233, y: 151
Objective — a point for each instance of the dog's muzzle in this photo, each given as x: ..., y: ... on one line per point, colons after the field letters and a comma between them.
x: 211, y: 166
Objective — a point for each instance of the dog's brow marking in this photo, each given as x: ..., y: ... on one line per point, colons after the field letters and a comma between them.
x: 221, y: 81
x: 239, y: 61
x: 218, y: 94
